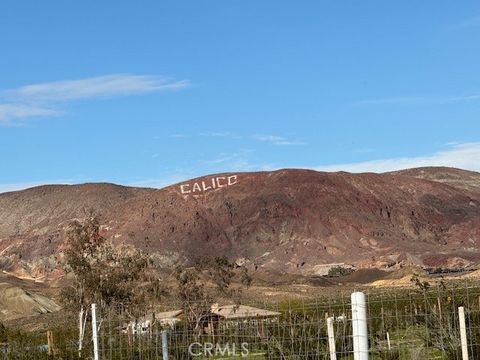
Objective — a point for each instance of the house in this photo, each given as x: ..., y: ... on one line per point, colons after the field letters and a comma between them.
x: 232, y: 315
x: 169, y: 318
x: 244, y: 312
x: 144, y: 324
x: 218, y: 316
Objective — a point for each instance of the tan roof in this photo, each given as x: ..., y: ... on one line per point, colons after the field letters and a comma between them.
x: 168, y: 315
x: 242, y: 312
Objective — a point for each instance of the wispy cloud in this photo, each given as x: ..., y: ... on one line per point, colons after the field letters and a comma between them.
x: 272, y: 139
x: 236, y: 160
x: 175, y: 136
x: 277, y: 140
x: 44, y: 99
x: 395, y: 100
x: 413, y: 100
x: 10, y: 112
x: 212, y: 134
x: 243, y: 160
x: 221, y: 134
x: 464, y: 156
x: 158, y: 183
x: 94, y: 87
x: 465, y: 98
x: 470, y: 22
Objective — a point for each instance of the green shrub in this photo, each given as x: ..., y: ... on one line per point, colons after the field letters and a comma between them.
x: 337, y: 271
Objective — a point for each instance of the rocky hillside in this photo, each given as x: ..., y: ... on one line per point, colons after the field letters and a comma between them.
x: 291, y: 221
x: 462, y: 179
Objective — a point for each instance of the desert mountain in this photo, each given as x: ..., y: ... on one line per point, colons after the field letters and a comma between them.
x: 462, y: 179
x: 290, y: 221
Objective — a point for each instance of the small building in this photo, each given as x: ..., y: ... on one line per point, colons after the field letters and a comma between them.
x: 227, y: 316
x: 144, y: 324
x: 169, y: 318
x: 242, y: 312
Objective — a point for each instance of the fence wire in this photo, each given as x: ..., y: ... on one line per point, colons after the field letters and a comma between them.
x: 421, y: 323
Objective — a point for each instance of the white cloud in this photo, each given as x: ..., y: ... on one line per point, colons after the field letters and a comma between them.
x: 464, y: 156
x: 277, y: 140
x: 40, y: 100
x: 177, y: 136
x: 9, y: 112
x: 240, y: 161
x: 471, y: 22
x: 395, y: 100
x: 100, y: 86
x: 269, y: 138
x: 221, y: 134
x: 158, y: 183
x: 418, y: 100
x: 465, y: 98
x: 272, y: 139
x: 234, y: 161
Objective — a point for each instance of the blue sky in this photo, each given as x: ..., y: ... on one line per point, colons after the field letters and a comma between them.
x: 154, y: 92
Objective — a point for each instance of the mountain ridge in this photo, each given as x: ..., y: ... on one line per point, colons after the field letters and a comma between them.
x: 289, y: 220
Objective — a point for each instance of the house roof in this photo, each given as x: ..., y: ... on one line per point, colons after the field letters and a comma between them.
x: 162, y: 316
x: 168, y: 314
x: 242, y: 312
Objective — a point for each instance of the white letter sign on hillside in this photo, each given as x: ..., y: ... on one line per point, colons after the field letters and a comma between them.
x: 216, y: 182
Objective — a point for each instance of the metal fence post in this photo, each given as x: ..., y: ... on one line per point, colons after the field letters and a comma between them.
x: 463, y: 332
x: 94, y: 332
x: 164, y: 345
x: 331, y: 339
x: 359, y: 326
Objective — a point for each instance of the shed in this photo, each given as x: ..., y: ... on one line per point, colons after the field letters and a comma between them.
x: 236, y: 312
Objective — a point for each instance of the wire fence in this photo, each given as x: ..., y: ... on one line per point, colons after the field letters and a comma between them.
x: 421, y: 323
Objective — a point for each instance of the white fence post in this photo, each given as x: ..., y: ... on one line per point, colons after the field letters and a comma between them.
x: 463, y: 332
x: 331, y: 339
x: 80, y: 331
x: 164, y: 345
x: 94, y: 332
x: 359, y: 326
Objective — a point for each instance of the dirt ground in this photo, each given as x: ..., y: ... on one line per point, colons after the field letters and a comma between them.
x: 267, y: 291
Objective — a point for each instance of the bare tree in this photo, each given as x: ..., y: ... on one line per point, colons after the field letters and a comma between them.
x: 102, y: 274
x: 195, y: 290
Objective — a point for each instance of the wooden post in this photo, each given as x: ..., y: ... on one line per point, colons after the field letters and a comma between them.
x: 261, y: 330
x: 95, y: 332
x: 440, y: 309
x: 212, y: 324
x: 164, y: 345
x: 50, y: 343
x: 80, y: 331
x: 463, y: 332
x: 331, y: 339
x: 130, y: 334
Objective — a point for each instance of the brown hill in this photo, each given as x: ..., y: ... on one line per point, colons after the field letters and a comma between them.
x: 463, y: 179
x: 287, y: 221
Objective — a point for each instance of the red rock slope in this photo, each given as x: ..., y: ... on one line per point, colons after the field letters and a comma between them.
x: 286, y: 220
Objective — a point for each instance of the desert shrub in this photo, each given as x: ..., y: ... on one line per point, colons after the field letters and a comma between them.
x: 337, y: 271
x: 388, y: 355
x: 3, y: 333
